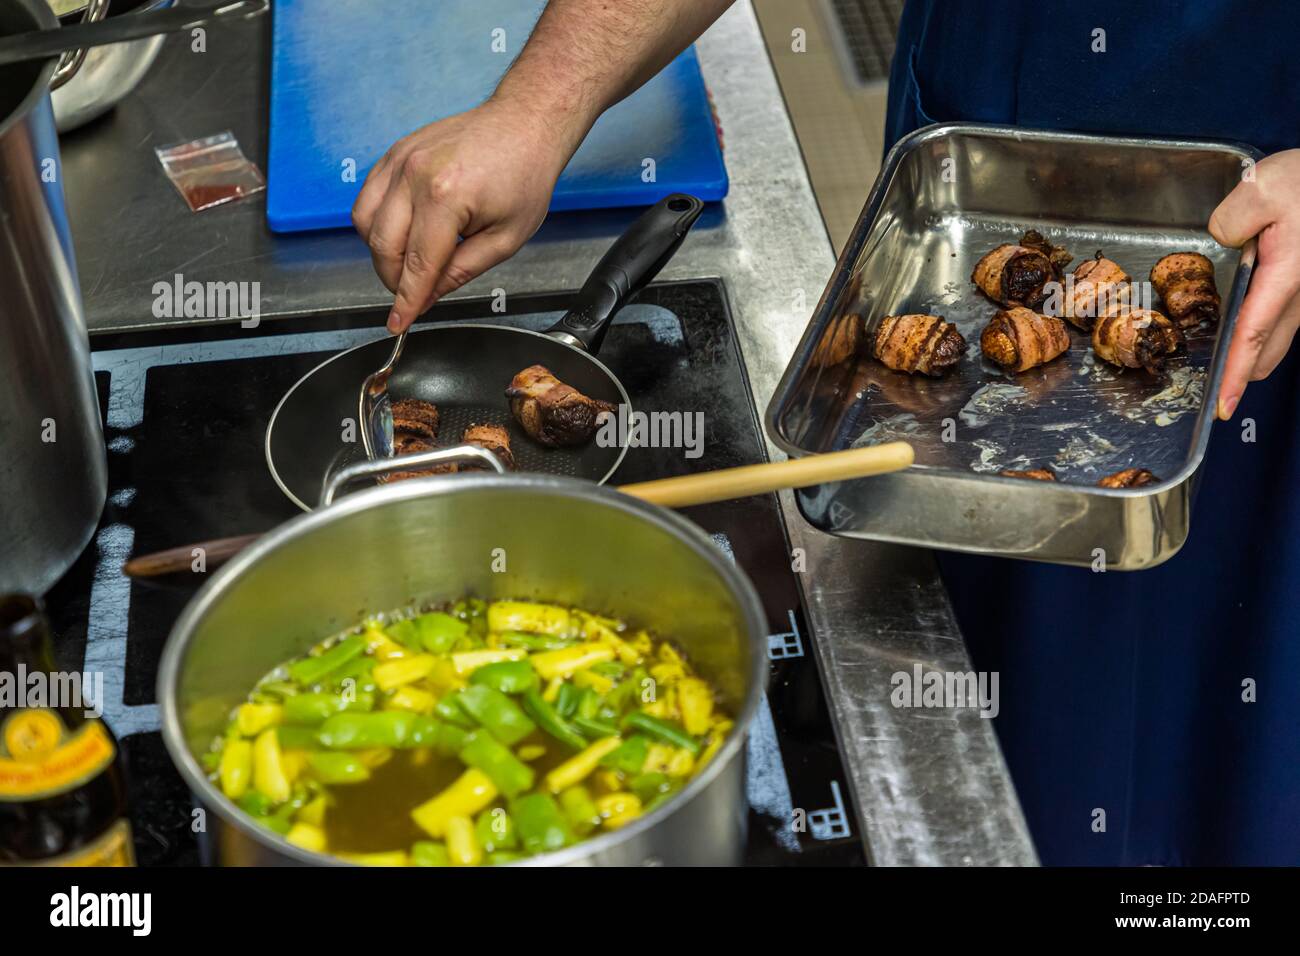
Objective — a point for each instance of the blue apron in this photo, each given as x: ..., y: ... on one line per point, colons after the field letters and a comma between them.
x: 1123, y: 692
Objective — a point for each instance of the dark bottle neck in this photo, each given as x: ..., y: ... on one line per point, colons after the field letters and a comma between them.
x: 24, y: 635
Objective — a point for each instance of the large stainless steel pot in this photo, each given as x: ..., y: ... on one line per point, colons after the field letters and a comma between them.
x: 105, y: 74
x: 53, y: 474
x: 435, y: 539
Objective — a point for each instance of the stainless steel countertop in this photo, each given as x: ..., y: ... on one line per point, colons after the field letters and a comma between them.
x: 930, y: 787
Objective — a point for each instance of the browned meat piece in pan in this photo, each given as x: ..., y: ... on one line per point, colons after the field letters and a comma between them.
x: 1100, y: 285
x: 408, y: 444
x: 1136, y: 338
x: 918, y: 343
x: 404, y: 443
x: 414, y: 416
x: 1019, y: 339
x: 1014, y: 275
x: 1034, y: 474
x: 494, y: 438
x: 1185, y: 283
x: 550, y: 412
x: 1129, y: 478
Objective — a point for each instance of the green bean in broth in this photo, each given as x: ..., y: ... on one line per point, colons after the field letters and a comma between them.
x: 474, y: 733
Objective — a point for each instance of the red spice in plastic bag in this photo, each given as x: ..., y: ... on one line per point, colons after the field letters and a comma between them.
x: 211, y: 171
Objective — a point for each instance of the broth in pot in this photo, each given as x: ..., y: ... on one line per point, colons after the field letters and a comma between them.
x: 473, y: 733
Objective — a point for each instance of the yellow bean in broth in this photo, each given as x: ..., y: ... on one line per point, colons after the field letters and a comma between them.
x: 429, y: 739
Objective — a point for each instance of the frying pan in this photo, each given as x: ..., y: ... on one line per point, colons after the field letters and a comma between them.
x: 464, y: 370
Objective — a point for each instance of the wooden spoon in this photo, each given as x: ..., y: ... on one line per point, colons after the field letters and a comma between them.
x: 700, y: 489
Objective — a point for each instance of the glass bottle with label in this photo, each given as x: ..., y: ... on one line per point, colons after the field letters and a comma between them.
x: 62, y: 782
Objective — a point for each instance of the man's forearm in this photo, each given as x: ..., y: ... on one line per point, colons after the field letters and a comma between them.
x: 586, y: 55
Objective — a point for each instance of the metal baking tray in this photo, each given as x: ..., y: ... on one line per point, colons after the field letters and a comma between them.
x: 948, y: 194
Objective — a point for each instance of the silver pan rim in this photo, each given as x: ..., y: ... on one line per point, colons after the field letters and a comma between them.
x: 778, y: 404
x: 275, y: 414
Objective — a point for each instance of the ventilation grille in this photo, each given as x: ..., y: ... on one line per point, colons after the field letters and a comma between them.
x: 866, y: 31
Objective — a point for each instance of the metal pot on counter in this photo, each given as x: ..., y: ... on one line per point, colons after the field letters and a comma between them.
x: 430, y: 540
x: 53, y: 471
x: 88, y: 83
x: 53, y: 474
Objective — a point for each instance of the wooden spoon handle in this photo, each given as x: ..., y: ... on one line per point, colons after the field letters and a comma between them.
x: 699, y: 489
x: 728, y: 483
x: 183, y: 558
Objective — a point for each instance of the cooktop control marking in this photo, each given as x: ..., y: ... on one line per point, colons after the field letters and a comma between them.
x: 787, y: 643
x: 106, y: 631
x: 768, y: 786
x: 830, y: 823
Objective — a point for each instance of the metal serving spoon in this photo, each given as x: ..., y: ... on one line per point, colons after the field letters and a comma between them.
x: 43, y: 44
x: 375, y: 409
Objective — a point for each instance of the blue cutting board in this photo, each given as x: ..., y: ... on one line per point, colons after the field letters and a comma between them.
x: 350, y: 77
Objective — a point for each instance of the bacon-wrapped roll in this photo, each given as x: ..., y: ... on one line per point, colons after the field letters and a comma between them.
x: 1014, y: 275
x: 493, y: 438
x: 1136, y: 338
x: 1020, y: 338
x: 918, y: 343
x: 1129, y: 478
x: 415, y: 417
x: 552, y: 413
x: 1100, y: 285
x: 1185, y: 283
x: 1034, y: 474
x: 1058, y: 256
x: 407, y: 443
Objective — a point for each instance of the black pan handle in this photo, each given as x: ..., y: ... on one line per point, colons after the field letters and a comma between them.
x: 627, y: 268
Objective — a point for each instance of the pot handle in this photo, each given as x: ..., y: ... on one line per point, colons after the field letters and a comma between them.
x: 41, y: 44
x: 384, y: 466
x: 631, y: 262
x: 70, y: 62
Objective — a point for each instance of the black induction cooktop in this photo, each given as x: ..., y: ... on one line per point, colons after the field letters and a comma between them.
x: 185, y: 415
